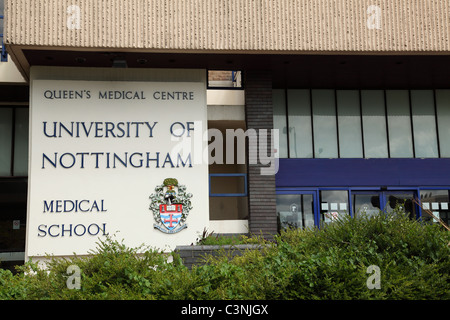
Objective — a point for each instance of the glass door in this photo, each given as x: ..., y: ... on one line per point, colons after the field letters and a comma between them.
x: 403, y: 199
x: 435, y: 204
x: 13, y: 212
x: 366, y: 202
x: 333, y: 205
x: 371, y: 202
x: 296, y: 210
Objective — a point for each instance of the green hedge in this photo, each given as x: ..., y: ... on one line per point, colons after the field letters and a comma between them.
x: 330, y: 263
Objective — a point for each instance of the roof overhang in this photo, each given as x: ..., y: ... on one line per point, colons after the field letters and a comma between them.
x: 211, y: 33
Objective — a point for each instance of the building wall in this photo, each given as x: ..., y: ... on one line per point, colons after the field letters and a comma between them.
x: 9, y: 73
x: 211, y: 25
x: 316, y: 27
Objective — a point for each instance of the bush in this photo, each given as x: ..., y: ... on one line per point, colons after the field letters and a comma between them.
x: 413, y: 259
x: 330, y: 263
x: 112, y: 271
x: 209, y: 238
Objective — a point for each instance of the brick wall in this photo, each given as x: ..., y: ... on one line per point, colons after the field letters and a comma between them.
x: 261, y: 188
x: 197, y: 255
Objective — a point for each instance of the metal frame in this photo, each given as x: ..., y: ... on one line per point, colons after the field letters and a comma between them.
x: 4, y: 54
x: 351, y: 190
x: 314, y: 193
x: 383, y: 201
x: 361, y: 120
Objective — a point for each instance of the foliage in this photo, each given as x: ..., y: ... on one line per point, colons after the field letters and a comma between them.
x: 330, y: 263
x: 170, y: 182
x: 209, y: 238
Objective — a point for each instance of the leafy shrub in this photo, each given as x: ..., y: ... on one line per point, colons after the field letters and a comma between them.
x: 330, y: 263
x: 209, y: 238
x: 413, y: 259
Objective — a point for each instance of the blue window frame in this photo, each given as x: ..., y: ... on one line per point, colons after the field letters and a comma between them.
x: 4, y: 55
x: 384, y: 194
x: 243, y: 194
x: 315, y: 195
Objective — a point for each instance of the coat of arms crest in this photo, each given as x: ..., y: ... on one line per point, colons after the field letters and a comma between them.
x: 170, y: 205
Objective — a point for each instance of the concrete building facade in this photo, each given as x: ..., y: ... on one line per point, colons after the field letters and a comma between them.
x: 356, y: 91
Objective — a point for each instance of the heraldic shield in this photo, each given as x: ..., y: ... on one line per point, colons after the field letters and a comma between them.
x: 170, y: 215
x: 170, y: 205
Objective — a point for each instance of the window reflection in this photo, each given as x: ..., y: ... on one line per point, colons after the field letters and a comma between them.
x: 424, y: 123
x: 443, y: 116
x: 374, y: 124
x: 403, y: 200
x: 295, y: 211
x: 349, y: 122
x: 324, y: 124
x: 333, y: 204
x: 399, y: 124
x: 6, y: 115
x: 435, y: 202
x: 279, y: 120
x: 300, y: 127
x: 359, y: 123
x: 13, y: 141
x: 366, y: 204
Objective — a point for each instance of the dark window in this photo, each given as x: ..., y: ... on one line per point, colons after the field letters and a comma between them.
x: 13, y: 141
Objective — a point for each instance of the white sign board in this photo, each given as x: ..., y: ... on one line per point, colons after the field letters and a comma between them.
x: 98, y: 150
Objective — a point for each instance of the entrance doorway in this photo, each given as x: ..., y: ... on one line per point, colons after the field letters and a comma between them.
x: 370, y: 202
x: 300, y: 208
x: 13, y: 212
x: 296, y: 210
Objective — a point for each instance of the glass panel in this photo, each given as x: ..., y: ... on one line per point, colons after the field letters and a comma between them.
x: 307, y: 210
x: 5, y: 141
x: 13, y: 209
x: 374, y: 124
x: 366, y: 203
x: 333, y: 204
x: 279, y: 120
x: 228, y: 208
x: 424, y: 124
x: 295, y: 211
x: 324, y: 120
x: 300, y: 131
x: 230, y: 184
x: 403, y: 199
x: 435, y: 203
x: 21, y: 143
x: 443, y: 116
x: 399, y: 124
x: 349, y: 118
x: 287, y: 210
